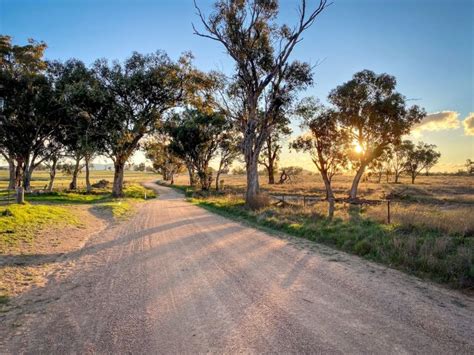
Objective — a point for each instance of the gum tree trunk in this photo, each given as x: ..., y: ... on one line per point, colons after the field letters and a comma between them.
x: 218, y: 175
x: 253, y: 188
x: 27, y: 173
x: 88, y: 180
x: 271, y: 173
x: 11, y: 172
x: 19, y: 172
x: 192, y: 181
x: 356, y: 181
x: 397, y: 176
x: 117, y: 189
x: 327, y: 185
x: 52, y: 173
x: 75, y: 173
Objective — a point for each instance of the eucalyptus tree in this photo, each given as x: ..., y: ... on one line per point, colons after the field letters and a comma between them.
x: 228, y: 152
x: 31, y: 115
x: 271, y: 150
x: 399, y: 158
x: 86, y: 106
x: 469, y: 164
x: 163, y: 159
x: 381, y: 165
x: 265, y: 77
x: 374, y: 115
x: 196, y: 136
x: 326, y: 143
x: 56, y: 152
x: 139, y: 92
x: 420, y: 157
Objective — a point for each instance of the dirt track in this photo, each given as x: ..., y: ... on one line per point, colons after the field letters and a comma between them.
x: 177, y: 279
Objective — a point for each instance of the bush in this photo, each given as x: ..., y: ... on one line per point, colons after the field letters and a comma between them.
x: 362, y: 247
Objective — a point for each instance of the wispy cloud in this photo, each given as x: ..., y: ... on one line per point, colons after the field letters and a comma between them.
x: 468, y: 124
x: 438, y: 121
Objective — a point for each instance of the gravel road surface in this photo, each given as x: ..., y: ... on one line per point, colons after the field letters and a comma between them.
x: 178, y: 279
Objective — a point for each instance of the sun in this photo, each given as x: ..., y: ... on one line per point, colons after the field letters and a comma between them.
x: 358, y: 148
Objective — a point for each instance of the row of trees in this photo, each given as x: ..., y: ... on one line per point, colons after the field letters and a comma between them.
x: 54, y: 109
x: 184, y: 118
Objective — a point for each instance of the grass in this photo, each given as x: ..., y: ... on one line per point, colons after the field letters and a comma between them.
x: 41, y: 178
x: 20, y: 222
x: 138, y: 192
x: 119, y: 209
x: 425, y: 252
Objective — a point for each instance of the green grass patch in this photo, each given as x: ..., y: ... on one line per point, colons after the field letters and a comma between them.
x: 119, y: 209
x: 20, y: 222
x: 69, y: 197
x: 428, y: 253
x: 138, y: 192
x: 133, y: 191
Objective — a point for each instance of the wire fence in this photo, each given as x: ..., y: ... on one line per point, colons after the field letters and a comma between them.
x: 307, y: 201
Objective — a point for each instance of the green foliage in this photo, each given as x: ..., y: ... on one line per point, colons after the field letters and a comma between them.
x: 85, y: 104
x: 163, y: 158
x: 139, y: 91
x: 195, y: 138
x: 134, y: 191
x: 374, y: 115
x: 265, y: 81
x: 326, y: 143
x: 419, y: 157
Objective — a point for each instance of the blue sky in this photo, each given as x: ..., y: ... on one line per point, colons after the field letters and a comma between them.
x: 426, y: 44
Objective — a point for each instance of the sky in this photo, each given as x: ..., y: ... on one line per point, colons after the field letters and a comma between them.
x: 426, y: 44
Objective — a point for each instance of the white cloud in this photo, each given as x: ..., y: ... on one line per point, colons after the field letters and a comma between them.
x: 468, y: 124
x: 438, y: 121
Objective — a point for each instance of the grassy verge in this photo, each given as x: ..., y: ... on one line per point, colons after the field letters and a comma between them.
x: 20, y: 222
x: 428, y: 253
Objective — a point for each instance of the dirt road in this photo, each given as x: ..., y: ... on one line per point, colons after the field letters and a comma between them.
x: 177, y: 279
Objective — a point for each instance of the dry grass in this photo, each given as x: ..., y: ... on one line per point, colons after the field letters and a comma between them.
x: 444, y: 203
x: 431, y: 230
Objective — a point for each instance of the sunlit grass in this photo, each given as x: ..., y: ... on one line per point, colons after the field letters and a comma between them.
x: 119, y: 209
x: 21, y: 222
